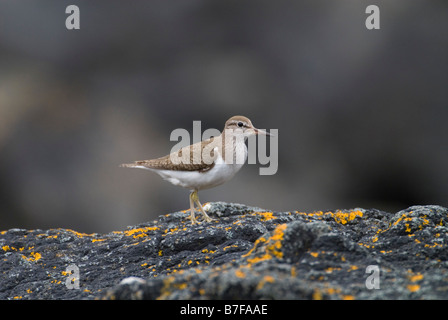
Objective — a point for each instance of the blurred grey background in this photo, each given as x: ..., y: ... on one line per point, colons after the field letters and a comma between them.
x: 362, y: 115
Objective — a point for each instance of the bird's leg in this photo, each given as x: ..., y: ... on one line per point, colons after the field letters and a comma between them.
x: 194, y: 196
x: 192, y: 218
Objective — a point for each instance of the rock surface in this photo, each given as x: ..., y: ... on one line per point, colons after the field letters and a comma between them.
x: 245, y: 253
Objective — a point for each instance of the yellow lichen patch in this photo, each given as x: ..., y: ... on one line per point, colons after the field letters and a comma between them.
x: 231, y: 246
x: 266, y: 216
x: 399, y: 219
x: 416, y: 277
x: 257, y: 242
x: 34, y: 256
x: 332, y: 290
x: 43, y: 235
x: 434, y: 245
x: 239, y: 273
x: 366, y: 245
x: 317, y: 294
x: 261, y: 239
x: 266, y: 279
x: 344, y: 217
x: 170, y: 285
x: 293, y: 272
x: 272, y: 246
x: 80, y: 234
x: 166, y: 286
x: 330, y: 270
x: 353, y: 267
x: 98, y: 240
x: 258, y: 259
x: 413, y: 287
x: 181, y: 286
x: 8, y: 248
x: 139, y: 232
x: 314, y: 254
x: 274, y: 243
x: 170, y: 230
x: 311, y: 214
x: 339, y: 216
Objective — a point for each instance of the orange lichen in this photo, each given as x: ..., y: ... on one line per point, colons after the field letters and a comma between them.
x: 399, y: 219
x: 413, y: 287
x: 98, y: 240
x: 80, y: 234
x: 258, y: 259
x: 272, y: 247
x: 339, y: 216
x: 353, y: 267
x: 416, y: 277
x: 293, y: 272
x: 317, y: 294
x: 344, y: 217
x: 266, y: 215
x: 275, y: 242
x: 139, y: 232
x: 34, y: 256
x: 266, y: 279
x: 239, y: 273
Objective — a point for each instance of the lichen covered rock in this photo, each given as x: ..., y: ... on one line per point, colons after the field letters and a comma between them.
x: 245, y: 253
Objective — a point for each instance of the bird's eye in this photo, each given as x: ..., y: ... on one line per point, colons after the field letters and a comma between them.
x: 240, y: 124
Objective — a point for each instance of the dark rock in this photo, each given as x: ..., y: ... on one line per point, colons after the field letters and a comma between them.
x: 245, y: 253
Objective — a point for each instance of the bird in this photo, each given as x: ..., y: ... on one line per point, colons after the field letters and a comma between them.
x: 205, y: 164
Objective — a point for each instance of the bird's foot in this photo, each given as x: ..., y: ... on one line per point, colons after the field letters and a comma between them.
x: 193, y: 219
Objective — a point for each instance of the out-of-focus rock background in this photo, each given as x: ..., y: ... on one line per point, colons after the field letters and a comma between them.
x: 362, y: 115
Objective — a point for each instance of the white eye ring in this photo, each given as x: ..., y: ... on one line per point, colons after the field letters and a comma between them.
x: 240, y: 124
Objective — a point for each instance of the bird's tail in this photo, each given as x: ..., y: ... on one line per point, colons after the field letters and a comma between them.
x: 136, y: 164
x: 128, y: 165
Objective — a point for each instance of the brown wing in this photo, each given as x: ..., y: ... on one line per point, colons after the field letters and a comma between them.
x: 190, y: 162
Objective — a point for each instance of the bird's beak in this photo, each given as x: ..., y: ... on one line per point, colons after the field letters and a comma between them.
x: 259, y: 131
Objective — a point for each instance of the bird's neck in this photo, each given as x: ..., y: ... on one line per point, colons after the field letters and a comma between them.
x: 234, y: 150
